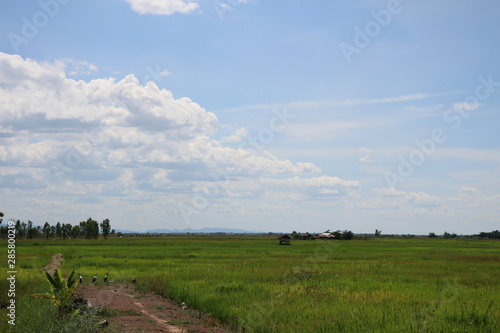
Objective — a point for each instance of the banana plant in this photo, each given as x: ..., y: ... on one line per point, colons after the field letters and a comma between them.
x: 60, y: 290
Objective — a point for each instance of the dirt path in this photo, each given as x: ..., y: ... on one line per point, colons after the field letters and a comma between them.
x: 145, y: 312
x: 137, y: 312
x: 54, y: 264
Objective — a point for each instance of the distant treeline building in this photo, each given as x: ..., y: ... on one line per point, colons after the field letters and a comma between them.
x: 325, y: 235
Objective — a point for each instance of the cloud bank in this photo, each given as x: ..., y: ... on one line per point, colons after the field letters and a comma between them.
x: 115, y: 138
x: 162, y: 7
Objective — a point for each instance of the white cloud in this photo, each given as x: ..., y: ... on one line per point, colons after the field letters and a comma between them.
x: 425, y: 110
x: 162, y: 7
x: 78, y: 67
x: 450, y: 213
x: 392, y: 199
x: 316, y: 188
x: 237, y: 136
x: 307, y: 105
x: 365, y: 159
x: 100, y: 129
x: 353, y: 102
x: 469, y: 191
x: 463, y: 106
x: 366, y: 150
x: 165, y: 72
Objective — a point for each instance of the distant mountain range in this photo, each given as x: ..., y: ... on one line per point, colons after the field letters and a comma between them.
x: 191, y: 231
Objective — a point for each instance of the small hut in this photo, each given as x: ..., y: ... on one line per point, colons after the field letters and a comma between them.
x: 306, y: 236
x: 284, y: 239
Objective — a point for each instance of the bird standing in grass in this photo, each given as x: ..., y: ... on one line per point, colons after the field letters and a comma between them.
x: 81, y: 277
x: 94, y: 279
x: 106, y: 278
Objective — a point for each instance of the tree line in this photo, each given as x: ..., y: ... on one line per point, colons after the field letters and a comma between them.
x: 493, y: 235
x: 89, y: 229
x: 346, y: 234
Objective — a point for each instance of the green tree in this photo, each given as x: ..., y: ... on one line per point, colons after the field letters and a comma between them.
x: 432, y: 235
x: 19, y: 230
x: 46, y: 230
x: 52, y: 230
x: 24, y: 228
x: 92, y: 229
x: 337, y: 234
x: 37, y: 232
x: 1, y: 217
x: 83, y: 229
x: 59, y: 231
x: 66, y: 230
x: 31, y: 230
x: 447, y: 235
x: 348, y: 235
x: 378, y: 233
x: 105, y: 227
x: 75, y: 232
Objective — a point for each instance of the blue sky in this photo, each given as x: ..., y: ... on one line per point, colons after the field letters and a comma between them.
x: 259, y: 115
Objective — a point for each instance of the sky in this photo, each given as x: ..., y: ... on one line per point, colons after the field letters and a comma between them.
x: 261, y: 115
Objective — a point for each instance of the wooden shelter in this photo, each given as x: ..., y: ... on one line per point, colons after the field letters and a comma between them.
x: 284, y: 239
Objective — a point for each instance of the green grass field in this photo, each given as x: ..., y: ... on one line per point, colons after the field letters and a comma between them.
x: 380, y: 285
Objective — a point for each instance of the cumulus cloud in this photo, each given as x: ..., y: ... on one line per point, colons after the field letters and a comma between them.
x: 102, y: 129
x: 237, y: 136
x: 315, y: 188
x: 77, y: 67
x: 392, y: 199
x: 162, y: 7
x: 469, y: 191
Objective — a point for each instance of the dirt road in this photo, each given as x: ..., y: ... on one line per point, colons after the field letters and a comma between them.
x: 139, y: 312
x: 132, y: 311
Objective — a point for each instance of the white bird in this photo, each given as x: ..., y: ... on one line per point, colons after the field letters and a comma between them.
x: 106, y: 277
x: 94, y: 279
x: 81, y: 277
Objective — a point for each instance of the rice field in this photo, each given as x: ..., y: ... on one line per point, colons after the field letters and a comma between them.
x: 253, y: 284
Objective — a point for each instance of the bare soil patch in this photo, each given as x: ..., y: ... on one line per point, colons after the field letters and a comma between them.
x: 132, y: 311
x: 55, y: 263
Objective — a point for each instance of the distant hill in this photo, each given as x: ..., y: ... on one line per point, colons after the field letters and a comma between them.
x: 203, y: 231
x: 123, y: 231
x: 191, y: 231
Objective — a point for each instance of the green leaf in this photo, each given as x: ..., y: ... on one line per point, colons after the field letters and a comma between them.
x: 50, y: 279
x: 59, y: 279
x: 41, y: 296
